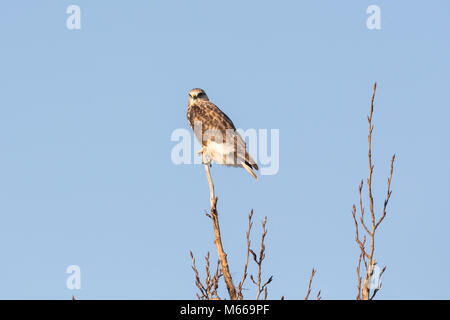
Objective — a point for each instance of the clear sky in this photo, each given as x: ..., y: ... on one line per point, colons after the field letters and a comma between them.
x: 86, y: 116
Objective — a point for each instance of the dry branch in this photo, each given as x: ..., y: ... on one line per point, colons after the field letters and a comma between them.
x: 308, y: 292
x: 244, y: 275
x: 261, y: 287
x: 367, y: 255
x: 208, y: 290
x: 217, y: 237
x: 309, y: 285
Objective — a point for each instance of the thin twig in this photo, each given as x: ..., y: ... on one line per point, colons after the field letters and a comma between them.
x: 309, y: 285
x: 318, y: 297
x: 244, y: 276
x: 258, y: 260
x: 203, y: 293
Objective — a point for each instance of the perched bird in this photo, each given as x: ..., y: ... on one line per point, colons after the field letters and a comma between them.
x: 217, y: 134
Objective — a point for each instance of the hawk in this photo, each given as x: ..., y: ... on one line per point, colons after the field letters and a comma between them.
x: 217, y: 134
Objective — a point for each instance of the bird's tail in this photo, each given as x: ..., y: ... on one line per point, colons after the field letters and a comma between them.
x: 249, y: 164
x: 248, y: 167
x: 243, y: 157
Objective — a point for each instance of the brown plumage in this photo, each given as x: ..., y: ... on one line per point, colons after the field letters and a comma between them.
x: 217, y: 134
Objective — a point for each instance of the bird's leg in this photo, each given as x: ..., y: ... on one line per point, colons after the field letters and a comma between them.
x: 205, y: 156
x: 208, y: 160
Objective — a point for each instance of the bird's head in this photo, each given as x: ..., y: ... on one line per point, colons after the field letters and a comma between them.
x: 197, y: 94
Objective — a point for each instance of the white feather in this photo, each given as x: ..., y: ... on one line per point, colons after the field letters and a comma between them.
x: 224, y: 154
x: 221, y: 153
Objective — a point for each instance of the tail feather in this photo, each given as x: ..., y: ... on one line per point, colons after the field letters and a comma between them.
x: 248, y: 167
x: 243, y: 156
x: 247, y: 159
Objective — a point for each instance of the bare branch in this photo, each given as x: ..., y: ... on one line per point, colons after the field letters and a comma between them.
x: 258, y: 260
x: 203, y: 293
x: 309, y: 285
x: 217, y: 237
x: 244, y: 276
x: 364, y: 290
x: 318, y: 297
x: 389, y: 192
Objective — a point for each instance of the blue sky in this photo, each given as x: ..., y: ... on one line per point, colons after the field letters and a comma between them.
x: 86, y: 117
